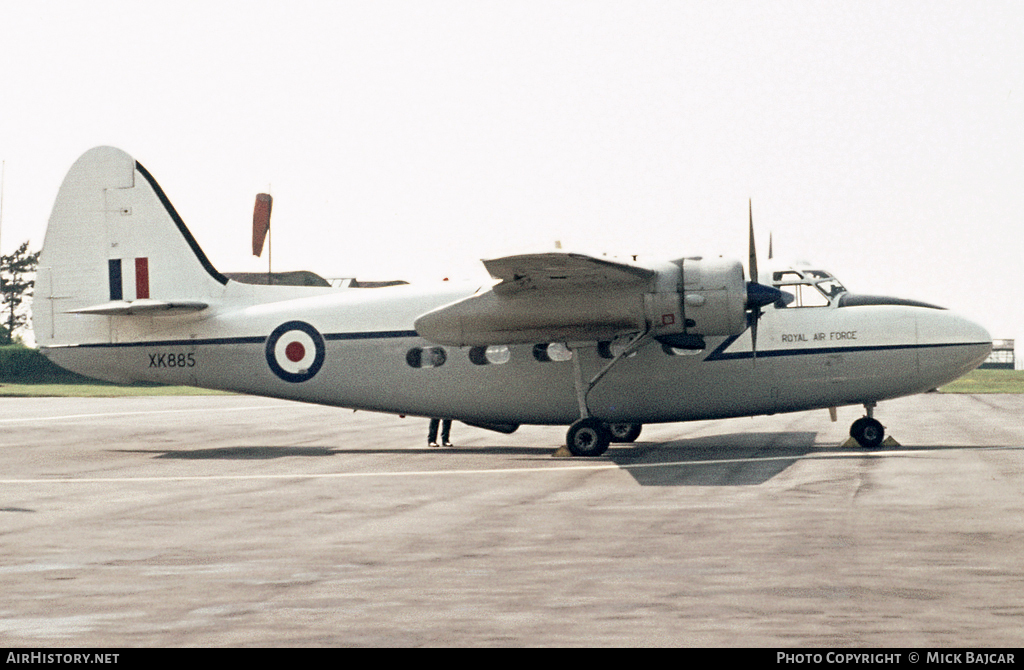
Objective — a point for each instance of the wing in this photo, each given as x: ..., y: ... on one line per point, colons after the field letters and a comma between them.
x: 553, y: 297
x: 562, y: 271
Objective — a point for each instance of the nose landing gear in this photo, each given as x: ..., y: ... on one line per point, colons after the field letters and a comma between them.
x: 868, y: 432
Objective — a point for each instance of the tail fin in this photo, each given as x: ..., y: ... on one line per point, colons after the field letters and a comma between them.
x: 115, y: 246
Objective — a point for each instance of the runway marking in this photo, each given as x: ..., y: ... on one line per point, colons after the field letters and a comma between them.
x: 65, y: 417
x: 494, y: 471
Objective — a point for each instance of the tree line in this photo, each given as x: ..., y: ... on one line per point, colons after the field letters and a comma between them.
x: 17, y: 278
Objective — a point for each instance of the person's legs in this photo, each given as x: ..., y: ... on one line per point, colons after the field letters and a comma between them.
x: 432, y: 433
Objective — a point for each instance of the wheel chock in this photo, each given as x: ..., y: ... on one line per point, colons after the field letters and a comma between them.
x: 854, y: 444
x: 562, y: 452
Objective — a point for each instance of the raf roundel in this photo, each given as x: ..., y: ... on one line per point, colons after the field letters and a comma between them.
x: 295, y: 351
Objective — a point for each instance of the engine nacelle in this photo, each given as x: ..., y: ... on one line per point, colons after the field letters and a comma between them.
x: 714, y: 297
x: 697, y: 297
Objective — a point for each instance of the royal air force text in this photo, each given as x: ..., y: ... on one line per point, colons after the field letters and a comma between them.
x: 929, y: 657
x: 834, y: 336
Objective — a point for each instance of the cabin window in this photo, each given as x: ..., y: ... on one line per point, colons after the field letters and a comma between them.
x: 426, y: 357
x: 492, y: 355
x: 553, y: 351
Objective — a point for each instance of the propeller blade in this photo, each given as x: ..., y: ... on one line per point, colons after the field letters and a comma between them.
x: 758, y: 295
x: 752, y: 265
x: 753, y: 335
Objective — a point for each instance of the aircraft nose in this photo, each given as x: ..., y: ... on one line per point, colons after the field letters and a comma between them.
x: 950, y: 345
x: 977, y: 333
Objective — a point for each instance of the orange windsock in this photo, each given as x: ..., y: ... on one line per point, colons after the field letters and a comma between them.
x: 261, y: 221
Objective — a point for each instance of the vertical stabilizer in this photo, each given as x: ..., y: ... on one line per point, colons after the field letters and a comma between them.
x: 114, y: 244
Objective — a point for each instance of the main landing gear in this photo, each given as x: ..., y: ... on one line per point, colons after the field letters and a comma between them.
x: 591, y: 437
x: 625, y: 432
x: 868, y: 432
x: 588, y: 437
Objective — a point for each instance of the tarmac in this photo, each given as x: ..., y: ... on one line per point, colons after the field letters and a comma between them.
x: 237, y: 521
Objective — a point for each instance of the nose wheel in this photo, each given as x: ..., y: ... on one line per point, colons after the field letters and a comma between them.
x: 868, y: 432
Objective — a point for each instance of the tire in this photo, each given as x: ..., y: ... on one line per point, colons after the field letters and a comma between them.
x: 624, y: 432
x: 587, y: 437
x: 868, y: 432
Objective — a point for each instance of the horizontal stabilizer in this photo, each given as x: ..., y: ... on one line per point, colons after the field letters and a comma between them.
x: 144, y: 307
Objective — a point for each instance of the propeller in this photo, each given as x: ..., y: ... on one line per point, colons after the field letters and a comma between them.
x: 758, y: 295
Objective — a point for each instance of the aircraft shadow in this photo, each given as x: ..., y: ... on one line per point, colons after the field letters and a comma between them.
x: 235, y: 453
x: 271, y: 452
x: 723, y: 460
x: 732, y: 459
x: 740, y: 459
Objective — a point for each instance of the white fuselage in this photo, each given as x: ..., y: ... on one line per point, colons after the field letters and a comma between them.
x: 808, y: 357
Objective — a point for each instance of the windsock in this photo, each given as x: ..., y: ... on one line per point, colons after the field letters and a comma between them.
x: 261, y: 221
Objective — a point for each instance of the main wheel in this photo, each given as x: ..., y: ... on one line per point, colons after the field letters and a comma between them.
x: 625, y: 432
x: 868, y: 432
x: 587, y: 437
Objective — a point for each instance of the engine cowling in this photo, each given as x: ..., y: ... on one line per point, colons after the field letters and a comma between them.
x: 713, y: 297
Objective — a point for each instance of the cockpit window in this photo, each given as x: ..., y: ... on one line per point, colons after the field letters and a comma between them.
x: 801, y: 295
x: 806, y: 288
x: 831, y: 288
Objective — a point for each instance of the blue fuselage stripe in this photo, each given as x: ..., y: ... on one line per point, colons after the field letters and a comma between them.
x: 254, y: 339
x: 719, y: 354
x: 372, y: 335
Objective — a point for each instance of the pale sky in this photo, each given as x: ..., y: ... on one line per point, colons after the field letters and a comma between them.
x: 881, y: 141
